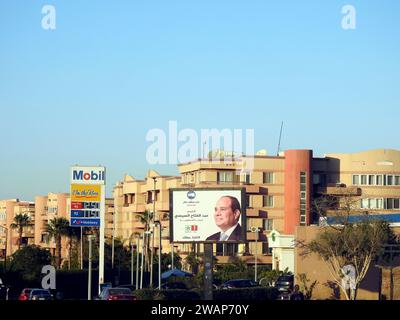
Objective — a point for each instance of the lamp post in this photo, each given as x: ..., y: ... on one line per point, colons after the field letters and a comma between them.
x: 137, y: 261
x: 152, y: 239
x: 159, y: 252
x: 255, y: 230
x: 90, y: 237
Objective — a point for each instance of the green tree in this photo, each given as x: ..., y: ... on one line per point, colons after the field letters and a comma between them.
x: 193, y: 261
x: 29, y: 261
x: 21, y: 221
x: 57, y: 228
x: 305, y: 286
x: 355, y: 244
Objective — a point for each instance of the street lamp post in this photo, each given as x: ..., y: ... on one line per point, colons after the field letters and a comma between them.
x: 132, y: 262
x: 159, y: 252
x: 152, y: 244
x: 172, y: 256
x: 90, y: 237
x: 255, y: 230
x: 137, y: 262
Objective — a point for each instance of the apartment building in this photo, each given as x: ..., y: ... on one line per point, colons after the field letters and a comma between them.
x: 8, y: 210
x: 372, y: 179
x: 54, y: 205
x: 132, y: 198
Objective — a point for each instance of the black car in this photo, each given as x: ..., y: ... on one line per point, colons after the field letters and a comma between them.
x: 239, y: 283
x: 285, y: 283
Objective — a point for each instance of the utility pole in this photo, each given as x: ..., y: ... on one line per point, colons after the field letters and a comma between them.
x: 137, y: 261
x: 142, y: 264
x: 113, y: 242
x: 152, y: 256
x: 90, y: 269
x: 131, y: 262
x: 81, y: 248
x: 172, y: 256
x: 159, y: 253
x: 152, y: 237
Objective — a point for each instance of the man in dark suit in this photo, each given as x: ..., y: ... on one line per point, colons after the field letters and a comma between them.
x: 227, y: 215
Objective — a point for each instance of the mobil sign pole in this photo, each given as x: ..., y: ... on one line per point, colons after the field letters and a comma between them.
x: 88, y: 203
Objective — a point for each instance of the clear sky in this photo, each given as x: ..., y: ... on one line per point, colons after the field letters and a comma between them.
x: 89, y: 91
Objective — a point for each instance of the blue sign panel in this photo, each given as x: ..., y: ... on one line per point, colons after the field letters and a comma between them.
x: 77, y: 214
x: 85, y: 222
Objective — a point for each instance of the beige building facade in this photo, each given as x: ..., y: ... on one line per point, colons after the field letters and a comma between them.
x: 372, y: 179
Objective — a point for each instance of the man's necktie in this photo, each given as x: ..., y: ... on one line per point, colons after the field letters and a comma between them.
x: 224, y: 237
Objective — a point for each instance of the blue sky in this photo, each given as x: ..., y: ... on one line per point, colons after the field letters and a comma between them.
x: 89, y: 91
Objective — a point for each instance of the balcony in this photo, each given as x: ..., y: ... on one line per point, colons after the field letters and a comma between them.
x: 339, y: 190
x: 254, y: 189
x: 162, y: 206
x: 140, y: 208
x: 256, y: 213
x: 259, y: 236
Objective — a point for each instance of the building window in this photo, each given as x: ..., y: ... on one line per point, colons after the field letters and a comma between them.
x: 389, y: 180
x: 249, y: 201
x: 392, y: 203
x: 225, y: 177
x: 268, y: 224
x: 268, y: 201
x: 363, y: 179
x: 303, y: 198
x: 371, y: 180
x: 379, y: 180
x: 268, y: 178
x: 246, y: 177
x: 356, y: 179
x: 397, y: 180
x: 265, y: 248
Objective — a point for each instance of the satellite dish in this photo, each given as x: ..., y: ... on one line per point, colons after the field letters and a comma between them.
x: 262, y: 152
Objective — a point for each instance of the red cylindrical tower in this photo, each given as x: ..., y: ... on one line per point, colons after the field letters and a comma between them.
x: 298, y: 188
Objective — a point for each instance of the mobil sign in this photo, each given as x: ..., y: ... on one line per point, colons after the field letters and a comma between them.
x: 88, y: 175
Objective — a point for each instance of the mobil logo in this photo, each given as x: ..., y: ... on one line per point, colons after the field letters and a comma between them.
x: 94, y: 175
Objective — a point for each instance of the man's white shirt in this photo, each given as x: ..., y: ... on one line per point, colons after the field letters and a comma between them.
x: 225, y: 235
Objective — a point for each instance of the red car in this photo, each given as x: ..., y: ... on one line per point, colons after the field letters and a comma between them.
x: 24, y: 296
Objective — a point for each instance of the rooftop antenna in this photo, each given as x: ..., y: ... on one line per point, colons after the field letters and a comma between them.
x: 280, y: 139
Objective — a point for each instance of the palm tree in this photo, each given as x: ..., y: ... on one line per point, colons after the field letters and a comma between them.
x: 73, y: 233
x: 57, y: 228
x: 146, y: 219
x: 21, y: 221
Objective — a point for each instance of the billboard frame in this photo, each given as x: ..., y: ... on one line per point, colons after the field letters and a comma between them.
x: 243, y: 218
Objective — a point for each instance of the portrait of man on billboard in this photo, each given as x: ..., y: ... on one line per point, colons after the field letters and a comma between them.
x: 227, y: 216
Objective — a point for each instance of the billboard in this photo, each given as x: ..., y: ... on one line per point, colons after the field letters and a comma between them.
x: 85, y: 205
x: 208, y: 215
x: 87, y: 196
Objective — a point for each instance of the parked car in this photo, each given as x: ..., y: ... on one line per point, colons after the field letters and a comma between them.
x: 174, y: 286
x: 40, y: 294
x: 285, y: 283
x: 3, y: 291
x: 238, y: 283
x: 24, y: 296
x: 116, y: 294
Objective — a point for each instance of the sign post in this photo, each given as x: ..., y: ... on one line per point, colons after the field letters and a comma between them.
x: 88, y: 204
